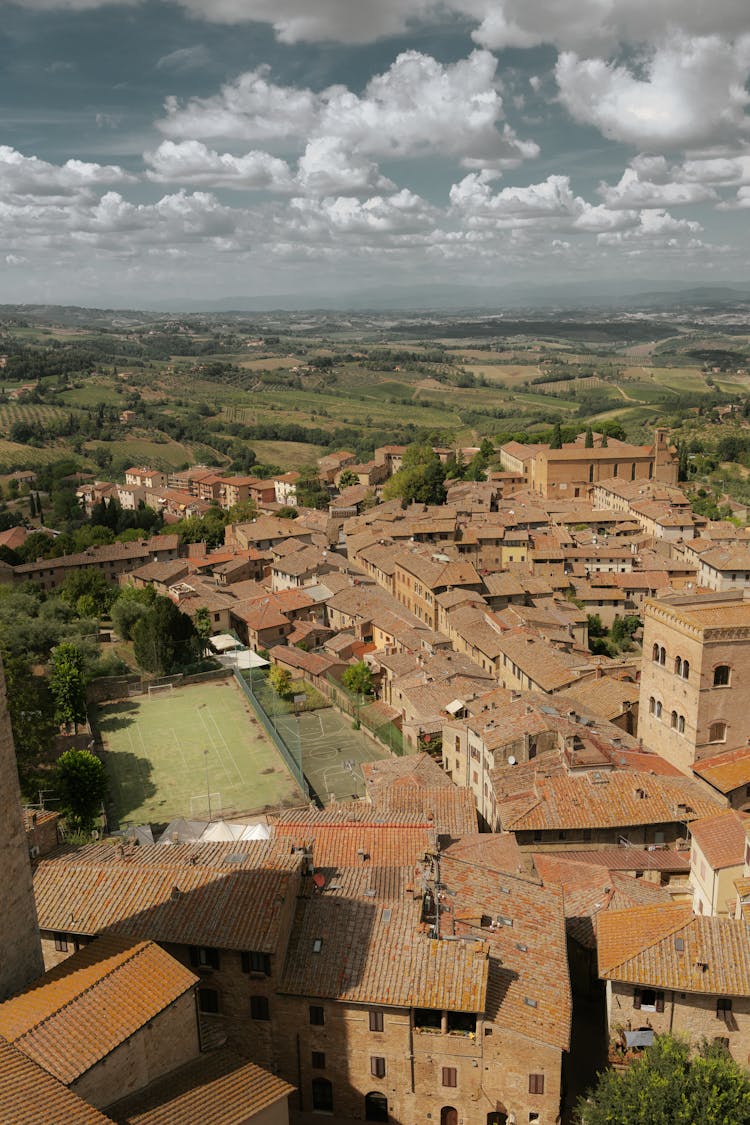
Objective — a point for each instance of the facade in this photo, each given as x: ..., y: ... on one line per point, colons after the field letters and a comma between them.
x: 572, y: 471
x: 696, y: 666
x: 717, y: 858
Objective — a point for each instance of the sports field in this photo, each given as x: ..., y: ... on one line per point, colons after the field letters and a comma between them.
x: 332, y: 752
x: 166, y: 753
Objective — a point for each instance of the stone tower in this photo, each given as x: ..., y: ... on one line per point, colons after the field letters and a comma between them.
x: 20, y: 947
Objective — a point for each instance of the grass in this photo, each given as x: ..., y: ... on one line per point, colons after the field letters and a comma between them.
x: 164, y: 753
x: 288, y: 454
x: 16, y: 456
x: 162, y: 455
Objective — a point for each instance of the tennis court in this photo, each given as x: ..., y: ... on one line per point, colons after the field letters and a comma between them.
x: 332, y: 752
x: 177, y: 752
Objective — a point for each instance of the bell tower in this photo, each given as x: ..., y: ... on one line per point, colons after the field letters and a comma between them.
x: 20, y: 945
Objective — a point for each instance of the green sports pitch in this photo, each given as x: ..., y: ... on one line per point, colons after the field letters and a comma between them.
x: 175, y: 752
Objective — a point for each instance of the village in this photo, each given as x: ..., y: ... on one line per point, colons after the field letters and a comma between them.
x: 547, y: 868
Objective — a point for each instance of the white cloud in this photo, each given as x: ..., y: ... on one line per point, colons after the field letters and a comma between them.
x: 418, y: 106
x: 397, y: 214
x: 634, y: 192
x: 328, y: 167
x: 658, y: 228
x: 722, y: 171
x: 29, y: 176
x: 191, y: 162
x: 549, y: 204
x: 692, y: 93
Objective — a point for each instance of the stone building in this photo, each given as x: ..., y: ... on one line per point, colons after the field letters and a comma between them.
x: 21, y: 959
x: 668, y: 970
x: 696, y: 667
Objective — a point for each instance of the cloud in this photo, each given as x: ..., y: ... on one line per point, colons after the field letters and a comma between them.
x: 397, y: 214
x: 692, y: 93
x: 191, y: 162
x: 658, y: 228
x: 634, y: 192
x: 328, y: 167
x: 418, y: 106
x: 28, y: 176
x: 550, y: 204
x: 185, y: 58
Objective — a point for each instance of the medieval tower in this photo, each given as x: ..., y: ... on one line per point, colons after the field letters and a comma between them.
x: 20, y: 947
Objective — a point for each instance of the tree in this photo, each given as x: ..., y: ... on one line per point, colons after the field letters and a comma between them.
x: 589, y: 439
x: 131, y: 605
x: 67, y: 685
x: 164, y: 638
x: 358, y: 679
x: 605, y: 443
x: 347, y: 479
x: 88, y: 592
x: 669, y: 1086
x: 81, y: 786
x: 32, y: 505
x: 32, y: 714
x: 202, y: 623
x: 420, y: 479
x: 280, y: 680
x: 556, y: 439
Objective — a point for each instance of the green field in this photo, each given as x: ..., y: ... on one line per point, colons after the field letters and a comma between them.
x: 166, y: 752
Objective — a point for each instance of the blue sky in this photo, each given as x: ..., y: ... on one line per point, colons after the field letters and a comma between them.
x: 157, y: 150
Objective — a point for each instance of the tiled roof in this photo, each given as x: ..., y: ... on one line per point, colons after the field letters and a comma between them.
x: 721, y: 838
x: 361, y: 845
x: 588, y: 890
x: 217, y: 1089
x: 417, y: 770
x: 727, y: 771
x: 670, y: 947
x: 452, y: 811
x: 223, y: 895
x: 613, y: 799
x: 80, y: 1011
x: 31, y: 1096
x: 529, y: 986
x: 377, y: 954
x: 632, y: 859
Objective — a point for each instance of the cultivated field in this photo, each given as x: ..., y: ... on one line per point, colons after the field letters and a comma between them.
x: 165, y: 753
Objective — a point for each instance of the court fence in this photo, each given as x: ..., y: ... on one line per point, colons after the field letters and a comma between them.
x: 283, y: 733
x: 367, y: 714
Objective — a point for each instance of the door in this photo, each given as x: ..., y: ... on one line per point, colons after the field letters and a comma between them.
x: 448, y: 1115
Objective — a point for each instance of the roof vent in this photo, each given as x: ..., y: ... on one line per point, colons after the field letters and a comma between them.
x: 530, y: 1003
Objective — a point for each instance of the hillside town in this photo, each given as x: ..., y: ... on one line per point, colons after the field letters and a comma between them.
x: 548, y: 864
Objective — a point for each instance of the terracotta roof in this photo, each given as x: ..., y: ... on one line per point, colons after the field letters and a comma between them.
x: 670, y: 947
x: 223, y: 895
x: 361, y: 845
x: 727, y: 771
x: 452, y: 811
x: 374, y: 953
x: 721, y: 838
x: 632, y: 859
x: 216, y: 1089
x: 80, y: 1011
x: 417, y: 770
x: 31, y: 1096
x: 613, y: 799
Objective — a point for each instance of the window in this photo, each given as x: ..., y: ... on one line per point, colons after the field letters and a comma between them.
x: 259, y: 1008
x: 615, y: 470
x: 202, y: 957
x: 648, y: 999
x: 673, y: 720
x: 678, y: 665
x: 657, y: 709
x: 318, y: 1060
x: 61, y: 943
x: 376, y: 1020
x: 721, y: 675
x: 723, y: 1007
x: 632, y: 471
x: 376, y: 1107
x: 591, y: 474
x: 377, y: 1066
x: 256, y: 963
x: 428, y: 1018
x: 686, y: 669
x: 681, y: 724
x: 317, y: 1015
x: 662, y: 656
x: 655, y: 654
x: 651, y: 705
x: 536, y: 1083
x: 322, y: 1095
x: 717, y: 732
x: 450, y: 1076
x: 208, y: 1001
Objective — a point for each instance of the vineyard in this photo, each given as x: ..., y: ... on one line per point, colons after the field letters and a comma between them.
x: 29, y: 412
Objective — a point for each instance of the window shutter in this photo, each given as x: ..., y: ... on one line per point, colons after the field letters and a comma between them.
x: 660, y: 1001
x: 637, y: 998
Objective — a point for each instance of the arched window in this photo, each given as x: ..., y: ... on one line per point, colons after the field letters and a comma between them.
x: 681, y: 724
x: 662, y: 655
x: 717, y: 732
x: 657, y: 712
x: 322, y: 1095
x: 686, y: 669
x: 721, y: 675
x: 376, y: 1107
x: 655, y: 654
x: 673, y: 720
x: 678, y: 665
x: 651, y: 705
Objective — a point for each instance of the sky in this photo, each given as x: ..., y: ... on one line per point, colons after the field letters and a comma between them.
x: 159, y: 150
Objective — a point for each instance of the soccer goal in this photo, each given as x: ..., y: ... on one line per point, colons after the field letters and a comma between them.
x: 159, y: 689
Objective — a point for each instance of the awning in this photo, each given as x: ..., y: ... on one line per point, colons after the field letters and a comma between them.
x: 643, y: 1037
